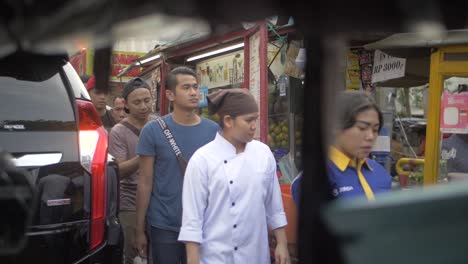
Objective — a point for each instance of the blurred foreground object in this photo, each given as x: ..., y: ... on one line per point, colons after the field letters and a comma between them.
x: 396, y: 228
x: 16, y: 201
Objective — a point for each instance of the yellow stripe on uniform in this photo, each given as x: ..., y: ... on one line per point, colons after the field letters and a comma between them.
x: 365, y: 185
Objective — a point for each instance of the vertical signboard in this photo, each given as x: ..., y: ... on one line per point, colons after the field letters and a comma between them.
x: 258, y: 77
x: 120, y: 61
x: 254, y: 72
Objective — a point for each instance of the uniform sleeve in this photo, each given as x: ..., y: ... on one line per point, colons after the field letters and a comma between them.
x: 388, y: 180
x: 146, y: 141
x: 276, y: 216
x: 118, y: 144
x: 194, y: 201
x: 296, y: 188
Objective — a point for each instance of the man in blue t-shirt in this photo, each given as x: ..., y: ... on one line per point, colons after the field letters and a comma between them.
x: 159, y: 193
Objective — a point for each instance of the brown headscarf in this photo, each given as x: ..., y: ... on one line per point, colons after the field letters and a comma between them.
x: 233, y: 102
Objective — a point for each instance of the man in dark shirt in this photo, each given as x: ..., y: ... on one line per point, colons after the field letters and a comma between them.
x: 118, y: 108
x: 99, y: 99
x: 455, y: 152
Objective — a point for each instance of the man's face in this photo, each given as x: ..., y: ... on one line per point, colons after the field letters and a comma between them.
x: 118, y: 112
x: 139, y: 103
x: 242, y: 128
x: 99, y: 99
x: 186, y: 94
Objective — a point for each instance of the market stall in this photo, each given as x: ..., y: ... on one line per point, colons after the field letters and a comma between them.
x: 262, y: 59
x: 444, y: 101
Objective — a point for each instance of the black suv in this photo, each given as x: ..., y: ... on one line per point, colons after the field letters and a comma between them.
x: 52, y: 130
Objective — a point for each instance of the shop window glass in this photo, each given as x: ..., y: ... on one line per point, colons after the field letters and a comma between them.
x: 454, y: 130
x: 456, y: 56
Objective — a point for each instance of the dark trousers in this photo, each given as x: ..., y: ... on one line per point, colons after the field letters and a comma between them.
x: 165, y: 247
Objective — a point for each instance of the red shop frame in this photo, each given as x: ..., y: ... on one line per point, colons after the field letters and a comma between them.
x: 261, y: 29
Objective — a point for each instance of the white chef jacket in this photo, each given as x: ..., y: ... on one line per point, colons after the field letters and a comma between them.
x: 228, y: 200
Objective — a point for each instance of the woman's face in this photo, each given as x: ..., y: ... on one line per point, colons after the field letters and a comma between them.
x: 357, y: 141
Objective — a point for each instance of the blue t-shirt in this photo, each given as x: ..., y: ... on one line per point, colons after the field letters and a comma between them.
x: 165, y: 208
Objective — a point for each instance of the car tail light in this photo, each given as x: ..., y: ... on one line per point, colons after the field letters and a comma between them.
x: 93, y: 153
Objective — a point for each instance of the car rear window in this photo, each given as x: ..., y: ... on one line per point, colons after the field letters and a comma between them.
x: 29, y: 105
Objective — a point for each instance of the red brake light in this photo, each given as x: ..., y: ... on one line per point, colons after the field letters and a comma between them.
x: 88, y: 116
x: 93, y: 153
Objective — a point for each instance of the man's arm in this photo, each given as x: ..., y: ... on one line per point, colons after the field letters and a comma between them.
x: 127, y: 167
x: 118, y: 148
x: 193, y: 252
x: 145, y: 185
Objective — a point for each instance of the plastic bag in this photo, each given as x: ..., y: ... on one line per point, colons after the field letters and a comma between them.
x: 288, y: 169
x: 139, y: 260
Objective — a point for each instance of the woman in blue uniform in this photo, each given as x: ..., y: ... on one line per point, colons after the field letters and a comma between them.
x: 350, y: 171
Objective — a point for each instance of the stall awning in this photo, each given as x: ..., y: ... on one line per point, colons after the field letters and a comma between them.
x: 417, y: 51
x: 415, y: 40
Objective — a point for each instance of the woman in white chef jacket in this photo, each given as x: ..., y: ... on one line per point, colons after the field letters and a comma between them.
x: 231, y: 194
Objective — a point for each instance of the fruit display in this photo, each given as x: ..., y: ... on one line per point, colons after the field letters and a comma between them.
x: 278, y: 134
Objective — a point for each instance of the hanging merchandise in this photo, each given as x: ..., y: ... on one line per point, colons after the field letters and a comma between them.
x: 203, y: 94
x: 285, y: 118
x: 284, y: 98
x: 292, y: 53
x: 365, y: 63
x: 282, y: 85
x: 353, y: 72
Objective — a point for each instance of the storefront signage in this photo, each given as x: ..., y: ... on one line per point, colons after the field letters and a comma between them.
x: 353, y: 78
x: 387, y: 67
x: 222, y: 71
x: 120, y: 61
x: 454, y: 113
x: 78, y: 61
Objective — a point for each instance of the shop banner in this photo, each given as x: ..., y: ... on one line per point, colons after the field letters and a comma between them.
x: 387, y: 67
x: 454, y: 113
x: 222, y: 70
x: 120, y: 61
x: 78, y: 61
